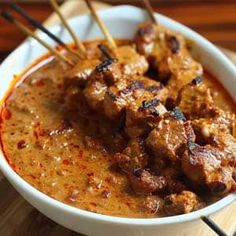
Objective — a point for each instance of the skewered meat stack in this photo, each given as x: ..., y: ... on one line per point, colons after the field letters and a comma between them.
x: 176, y: 152
x: 167, y: 53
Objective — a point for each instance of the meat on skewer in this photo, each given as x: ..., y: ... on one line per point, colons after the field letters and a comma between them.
x: 168, y: 54
x: 109, y: 91
x: 117, y: 87
x: 208, y: 166
x: 130, y: 61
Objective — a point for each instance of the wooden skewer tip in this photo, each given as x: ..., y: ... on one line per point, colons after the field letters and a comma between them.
x: 150, y: 11
x: 30, y: 33
x: 101, y: 24
x: 76, y: 39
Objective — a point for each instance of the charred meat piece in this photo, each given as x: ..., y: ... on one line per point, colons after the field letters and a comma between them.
x: 206, y: 166
x: 125, y: 92
x: 143, y: 182
x: 181, y: 203
x: 94, y: 93
x: 134, y: 156
x: 145, y: 36
x: 108, y: 71
x: 130, y: 61
x: 227, y: 143
x: 173, y: 43
x: 120, y: 95
x: 114, y: 103
x: 195, y: 100
x: 150, y: 41
x: 133, y: 160
x: 169, y: 137
x: 168, y: 54
x: 152, y: 204
x: 177, y: 114
x: 182, y: 69
x: 139, y: 113
x: 220, y: 122
x: 103, y: 76
x: 79, y: 74
x: 174, y: 178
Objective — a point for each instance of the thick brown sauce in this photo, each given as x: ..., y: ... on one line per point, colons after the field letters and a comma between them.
x: 54, y: 156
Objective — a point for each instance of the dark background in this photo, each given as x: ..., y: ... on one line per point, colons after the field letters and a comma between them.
x: 214, y: 19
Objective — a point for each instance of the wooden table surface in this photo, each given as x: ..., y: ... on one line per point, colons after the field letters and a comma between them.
x: 216, y: 20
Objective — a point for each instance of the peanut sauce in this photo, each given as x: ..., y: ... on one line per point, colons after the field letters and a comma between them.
x: 55, y: 142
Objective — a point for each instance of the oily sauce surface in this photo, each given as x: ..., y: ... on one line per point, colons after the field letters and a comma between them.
x: 62, y: 148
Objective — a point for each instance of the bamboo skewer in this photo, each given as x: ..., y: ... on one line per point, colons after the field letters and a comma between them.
x: 105, y: 52
x: 30, y: 33
x: 150, y: 11
x: 38, y: 25
x: 213, y: 226
x: 101, y: 24
x: 76, y: 39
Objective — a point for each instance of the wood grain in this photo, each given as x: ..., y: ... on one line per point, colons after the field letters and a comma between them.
x: 19, y: 218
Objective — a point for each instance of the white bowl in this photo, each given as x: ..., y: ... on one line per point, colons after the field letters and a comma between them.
x: 122, y: 22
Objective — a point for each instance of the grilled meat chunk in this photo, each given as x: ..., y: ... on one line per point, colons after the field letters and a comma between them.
x: 130, y: 61
x: 108, y: 71
x: 145, y: 37
x: 227, y: 144
x: 219, y: 123
x: 143, y: 182
x: 168, y: 54
x: 183, y: 70
x: 195, y: 100
x: 114, y: 95
x: 181, y: 203
x: 134, y: 156
x: 120, y: 95
x: 125, y: 62
x: 126, y: 91
x: 114, y: 102
x: 174, y: 178
x: 94, y: 93
x: 139, y: 113
x: 169, y: 137
x: 210, y: 167
x: 152, y: 204
x: 79, y: 74
x: 103, y: 76
x: 133, y: 160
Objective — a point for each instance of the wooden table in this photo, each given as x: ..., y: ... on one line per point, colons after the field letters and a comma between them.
x: 214, y: 19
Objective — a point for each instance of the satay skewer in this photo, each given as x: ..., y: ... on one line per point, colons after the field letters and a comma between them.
x: 39, y: 26
x: 205, y: 219
x: 76, y: 39
x: 30, y: 33
x: 101, y: 25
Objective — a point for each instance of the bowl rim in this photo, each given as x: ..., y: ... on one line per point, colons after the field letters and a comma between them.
x: 16, y: 180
